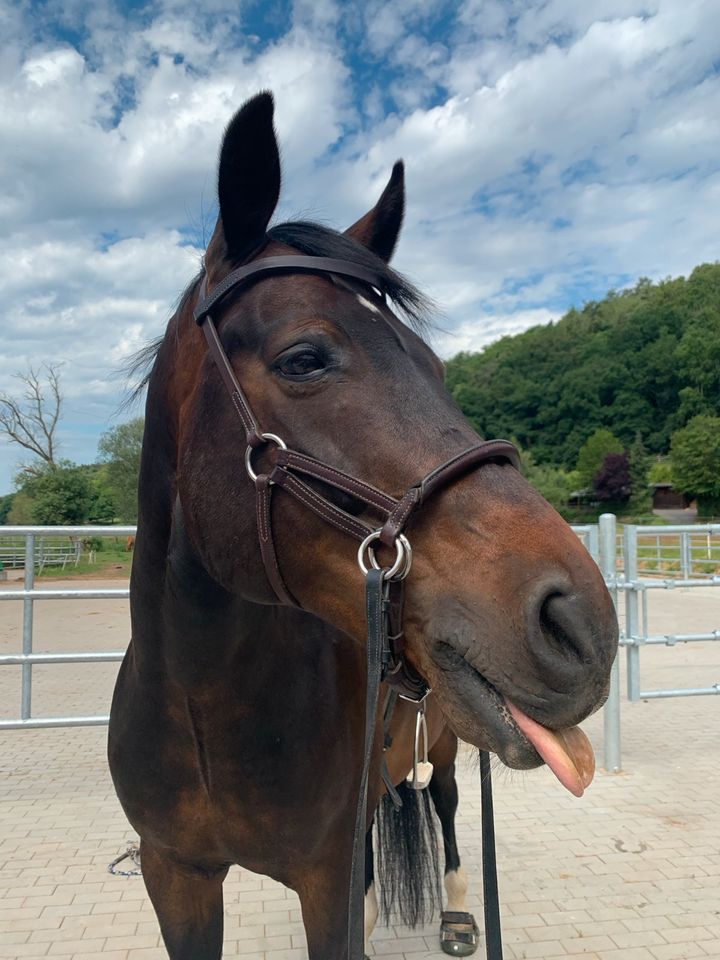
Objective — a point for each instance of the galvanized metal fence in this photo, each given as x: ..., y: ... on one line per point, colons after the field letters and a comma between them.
x: 29, y: 595
x: 669, y: 557
x: 665, y: 558
x: 49, y: 552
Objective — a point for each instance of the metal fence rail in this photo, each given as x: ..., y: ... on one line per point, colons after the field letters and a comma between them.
x: 678, y: 551
x: 29, y: 595
x: 689, y: 558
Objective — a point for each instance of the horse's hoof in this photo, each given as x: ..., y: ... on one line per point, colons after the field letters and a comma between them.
x: 458, y: 933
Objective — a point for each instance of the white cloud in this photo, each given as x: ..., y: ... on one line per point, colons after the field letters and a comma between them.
x: 487, y: 327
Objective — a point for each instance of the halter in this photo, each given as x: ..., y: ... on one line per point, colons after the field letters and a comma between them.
x: 384, y: 585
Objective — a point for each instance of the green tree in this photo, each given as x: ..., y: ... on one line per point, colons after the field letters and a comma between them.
x: 554, y: 483
x: 120, y: 449
x: 640, y: 496
x: 645, y: 359
x: 593, y: 452
x: 660, y: 471
x: 696, y: 462
x: 64, y: 493
x: 21, y: 512
x: 61, y: 495
x: 6, y: 503
x: 698, y: 357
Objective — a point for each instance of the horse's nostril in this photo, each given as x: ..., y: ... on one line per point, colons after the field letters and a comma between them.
x: 446, y: 655
x: 565, y: 626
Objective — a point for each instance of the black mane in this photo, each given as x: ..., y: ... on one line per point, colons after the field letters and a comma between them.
x: 316, y: 240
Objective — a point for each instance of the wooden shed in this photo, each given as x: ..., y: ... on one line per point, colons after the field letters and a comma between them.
x: 665, y: 497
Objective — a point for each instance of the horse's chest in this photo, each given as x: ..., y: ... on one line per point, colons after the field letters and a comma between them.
x: 234, y: 780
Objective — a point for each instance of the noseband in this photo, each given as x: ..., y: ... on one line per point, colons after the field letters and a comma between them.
x: 384, y: 585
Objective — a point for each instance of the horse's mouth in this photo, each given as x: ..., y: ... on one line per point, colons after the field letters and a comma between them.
x: 480, y: 713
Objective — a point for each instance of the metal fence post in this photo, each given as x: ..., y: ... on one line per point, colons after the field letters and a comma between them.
x: 26, y: 695
x: 593, y: 542
x: 685, y: 556
x: 632, y: 613
x: 611, y: 714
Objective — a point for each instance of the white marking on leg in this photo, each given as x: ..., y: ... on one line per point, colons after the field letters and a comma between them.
x: 366, y: 303
x: 456, y: 885
x: 371, y: 913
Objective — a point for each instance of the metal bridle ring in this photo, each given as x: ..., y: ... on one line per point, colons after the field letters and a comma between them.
x: 403, y: 558
x: 269, y: 438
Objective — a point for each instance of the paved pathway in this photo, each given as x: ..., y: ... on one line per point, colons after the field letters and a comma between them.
x: 630, y: 872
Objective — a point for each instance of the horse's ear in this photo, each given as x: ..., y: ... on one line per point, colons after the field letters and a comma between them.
x: 249, y: 175
x: 379, y: 229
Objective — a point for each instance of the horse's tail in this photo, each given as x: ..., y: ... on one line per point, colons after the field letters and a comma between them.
x: 408, y: 863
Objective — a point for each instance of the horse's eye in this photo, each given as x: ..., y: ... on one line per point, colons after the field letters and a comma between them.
x: 301, y: 363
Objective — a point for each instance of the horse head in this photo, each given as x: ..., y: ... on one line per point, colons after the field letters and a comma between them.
x: 506, y: 615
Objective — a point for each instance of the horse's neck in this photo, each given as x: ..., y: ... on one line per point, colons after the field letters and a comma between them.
x: 189, y: 628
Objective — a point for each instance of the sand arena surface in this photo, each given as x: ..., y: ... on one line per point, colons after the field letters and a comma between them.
x: 630, y: 872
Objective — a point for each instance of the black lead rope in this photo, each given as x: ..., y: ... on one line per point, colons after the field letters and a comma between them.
x: 491, y: 899
x: 375, y: 611
x: 375, y: 591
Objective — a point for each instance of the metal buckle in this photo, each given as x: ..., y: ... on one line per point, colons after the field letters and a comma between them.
x: 403, y: 557
x: 269, y: 438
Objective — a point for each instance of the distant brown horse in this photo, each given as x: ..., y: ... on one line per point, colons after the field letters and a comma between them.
x: 237, y: 722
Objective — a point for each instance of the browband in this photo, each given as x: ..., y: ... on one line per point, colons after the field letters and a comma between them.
x: 291, y: 263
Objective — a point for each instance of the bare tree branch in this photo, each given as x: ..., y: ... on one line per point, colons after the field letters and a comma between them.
x: 32, y: 424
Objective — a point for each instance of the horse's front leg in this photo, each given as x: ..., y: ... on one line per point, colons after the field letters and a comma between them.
x: 188, y: 903
x: 458, y: 930
x: 324, y: 891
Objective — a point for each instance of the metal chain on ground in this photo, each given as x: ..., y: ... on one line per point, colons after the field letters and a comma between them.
x: 132, y: 853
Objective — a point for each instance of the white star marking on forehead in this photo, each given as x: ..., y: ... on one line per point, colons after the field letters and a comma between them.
x: 366, y: 303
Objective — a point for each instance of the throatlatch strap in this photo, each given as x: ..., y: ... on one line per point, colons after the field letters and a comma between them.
x: 493, y: 931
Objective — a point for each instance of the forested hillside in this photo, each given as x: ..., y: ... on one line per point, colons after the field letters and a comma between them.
x: 645, y: 360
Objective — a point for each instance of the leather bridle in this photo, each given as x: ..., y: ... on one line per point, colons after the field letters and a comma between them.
x: 288, y: 466
x: 384, y: 585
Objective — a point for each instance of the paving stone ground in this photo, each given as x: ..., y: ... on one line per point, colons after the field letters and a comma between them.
x: 630, y: 872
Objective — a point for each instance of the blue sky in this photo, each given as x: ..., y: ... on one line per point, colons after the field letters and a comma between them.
x: 553, y: 150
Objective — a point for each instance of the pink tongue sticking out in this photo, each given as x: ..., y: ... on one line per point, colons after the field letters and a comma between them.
x: 568, y: 753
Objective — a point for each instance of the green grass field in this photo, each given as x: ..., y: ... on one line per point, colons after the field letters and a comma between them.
x: 665, y: 555
x: 110, y: 561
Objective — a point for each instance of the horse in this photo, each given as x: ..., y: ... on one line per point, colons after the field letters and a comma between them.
x: 238, y: 717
